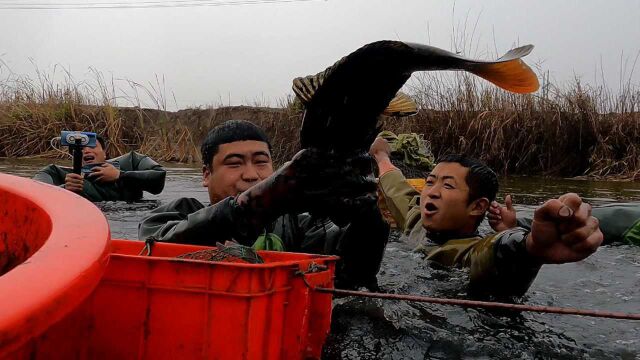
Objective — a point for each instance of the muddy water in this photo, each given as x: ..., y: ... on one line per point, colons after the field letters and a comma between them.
x: 368, y: 329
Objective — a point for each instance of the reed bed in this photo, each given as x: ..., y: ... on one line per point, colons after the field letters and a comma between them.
x: 562, y: 131
x: 569, y: 131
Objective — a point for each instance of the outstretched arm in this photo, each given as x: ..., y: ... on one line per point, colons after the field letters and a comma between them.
x: 563, y: 231
x: 148, y: 175
x: 506, y: 263
x: 187, y: 221
x: 294, y: 188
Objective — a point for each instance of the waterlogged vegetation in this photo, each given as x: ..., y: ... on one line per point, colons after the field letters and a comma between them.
x: 567, y: 130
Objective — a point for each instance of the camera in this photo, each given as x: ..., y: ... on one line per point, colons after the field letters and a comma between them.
x: 78, y: 138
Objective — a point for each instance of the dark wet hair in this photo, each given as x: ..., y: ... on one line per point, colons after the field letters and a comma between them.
x: 482, y: 181
x: 102, y: 142
x: 228, y: 132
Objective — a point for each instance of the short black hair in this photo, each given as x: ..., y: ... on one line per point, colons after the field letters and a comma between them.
x: 228, y: 132
x: 102, y: 141
x: 482, y: 181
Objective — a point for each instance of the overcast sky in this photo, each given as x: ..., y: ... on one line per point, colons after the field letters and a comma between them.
x: 242, y: 54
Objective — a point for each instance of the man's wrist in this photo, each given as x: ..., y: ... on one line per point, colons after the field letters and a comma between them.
x: 384, y: 163
x: 528, y: 248
x: 380, y: 155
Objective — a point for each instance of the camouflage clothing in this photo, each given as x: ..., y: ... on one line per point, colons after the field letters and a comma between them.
x: 499, y: 264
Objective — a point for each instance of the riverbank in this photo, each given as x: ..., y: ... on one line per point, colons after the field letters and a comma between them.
x: 575, y: 131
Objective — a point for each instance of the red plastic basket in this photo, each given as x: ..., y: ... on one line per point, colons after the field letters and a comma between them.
x: 147, y: 307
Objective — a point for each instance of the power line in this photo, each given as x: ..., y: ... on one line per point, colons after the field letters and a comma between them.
x: 138, y: 5
x: 91, y: 3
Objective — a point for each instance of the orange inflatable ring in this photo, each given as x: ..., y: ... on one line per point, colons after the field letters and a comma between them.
x: 54, y: 248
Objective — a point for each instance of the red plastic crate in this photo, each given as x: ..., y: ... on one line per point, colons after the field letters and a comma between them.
x: 161, y: 307
x: 69, y: 292
x: 173, y: 308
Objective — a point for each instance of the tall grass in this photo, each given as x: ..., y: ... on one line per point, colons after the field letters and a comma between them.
x: 568, y: 131
x: 564, y: 130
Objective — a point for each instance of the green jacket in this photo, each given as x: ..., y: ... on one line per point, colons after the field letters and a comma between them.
x: 619, y: 223
x: 360, y: 244
x: 499, y: 263
x: 138, y: 173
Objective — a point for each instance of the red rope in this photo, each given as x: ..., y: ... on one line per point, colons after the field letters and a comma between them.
x: 483, y: 304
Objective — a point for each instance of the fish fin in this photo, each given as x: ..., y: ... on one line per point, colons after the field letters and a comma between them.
x: 401, y: 105
x: 306, y: 87
x: 517, y: 53
x: 509, y: 72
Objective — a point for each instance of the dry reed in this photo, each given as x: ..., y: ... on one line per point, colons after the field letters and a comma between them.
x: 569, y: 131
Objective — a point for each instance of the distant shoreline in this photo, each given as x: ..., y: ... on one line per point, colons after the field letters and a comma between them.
x: 560, y: 143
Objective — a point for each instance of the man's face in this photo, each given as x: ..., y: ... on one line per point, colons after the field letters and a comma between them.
x: 444, y: 201
x: 93, y: 155
x: 235, y: 168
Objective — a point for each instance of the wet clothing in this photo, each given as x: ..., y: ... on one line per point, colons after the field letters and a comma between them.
x: 619, y: 223
x: 360, y: 244
x: 499, y: 264
x: 138, y: 173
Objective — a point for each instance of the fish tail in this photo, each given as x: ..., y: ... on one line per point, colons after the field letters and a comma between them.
x: 509, y: 72
x: 513, y: 75
x: 401, y: 105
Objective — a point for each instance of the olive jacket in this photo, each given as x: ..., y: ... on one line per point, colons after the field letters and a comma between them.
x: 499, y: 263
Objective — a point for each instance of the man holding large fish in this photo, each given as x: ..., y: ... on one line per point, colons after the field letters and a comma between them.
x: 331, y: 177
x: 268, y: 210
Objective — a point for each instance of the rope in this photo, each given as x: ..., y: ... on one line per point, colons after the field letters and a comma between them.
x: 148, y: 246
x: 465, y: 303
x: 481, y: 304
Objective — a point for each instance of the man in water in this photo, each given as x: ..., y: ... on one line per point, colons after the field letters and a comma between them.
x: 121, y: 178
x: 444, y: 220
x: 258, y: 207
x: 619, y: 223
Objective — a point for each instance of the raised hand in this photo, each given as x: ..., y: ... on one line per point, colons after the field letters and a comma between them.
x: 563, y: 230
x: 105, y: 173
x: 502, y: 217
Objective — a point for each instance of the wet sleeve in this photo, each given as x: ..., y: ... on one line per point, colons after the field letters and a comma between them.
x: 360, y: 245
x: 50, y: 175
x: 401, y: 198
x: 187, y: 221
x: 148, y: 176
x: 619, y: 222
x: 361, y: 249
x: 524, y: 222
x: 499, y: 264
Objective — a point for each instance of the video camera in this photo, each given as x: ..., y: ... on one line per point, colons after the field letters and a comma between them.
x: 76, y: 140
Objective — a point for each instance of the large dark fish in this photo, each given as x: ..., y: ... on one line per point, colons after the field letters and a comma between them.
x: 343, y: 102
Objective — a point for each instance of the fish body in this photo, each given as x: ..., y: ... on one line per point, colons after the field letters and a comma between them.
x: 343, y: 102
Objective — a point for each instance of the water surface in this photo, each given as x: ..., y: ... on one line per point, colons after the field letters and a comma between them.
x: 368, y: 329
